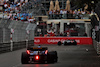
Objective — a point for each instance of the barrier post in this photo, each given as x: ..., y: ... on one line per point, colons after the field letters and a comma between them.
x: 11, y: 42
x: 27, y: 38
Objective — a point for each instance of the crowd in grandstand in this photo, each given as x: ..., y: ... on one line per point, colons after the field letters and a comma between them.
x: 72, y: 14
x: 12, y: 10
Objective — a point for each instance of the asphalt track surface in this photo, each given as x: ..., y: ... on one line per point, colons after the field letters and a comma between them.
x: 68, y: 56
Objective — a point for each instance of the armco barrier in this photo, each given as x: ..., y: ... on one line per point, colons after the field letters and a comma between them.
x: 31, y: 43
x: 19, y: 45
x: 4, y: 47
x: 15, y: 35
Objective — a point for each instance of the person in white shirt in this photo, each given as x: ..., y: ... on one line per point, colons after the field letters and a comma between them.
x: 5, y: 5
x: 21, y: 1
x: 64, y: 14
x: 83, y: 12
x: 18, y: 4
x: 65, y: 11
x: 8, y: 16
x: 31, y: 19
x: 92, y: 12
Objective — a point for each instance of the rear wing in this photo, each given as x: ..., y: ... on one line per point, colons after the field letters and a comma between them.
x: 37, y: 49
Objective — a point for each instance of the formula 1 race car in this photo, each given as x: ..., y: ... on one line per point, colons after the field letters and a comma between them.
x: 38, y: 55
x: 67, y: 42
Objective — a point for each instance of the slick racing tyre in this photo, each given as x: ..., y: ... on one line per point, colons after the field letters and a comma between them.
x: 24, y: 58
x: 65, y: 43
x: 52, y: 57
x: 56, y: 56
x: 75, y: 43
x: 59, y: 43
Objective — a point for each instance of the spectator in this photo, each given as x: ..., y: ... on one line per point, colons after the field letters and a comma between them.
x: 65, y: 34
x: 83, y: 12
x: 31, y: 19
x: 22, y: 18
x: 61, y: 34
x: 75, y: 12
x: 14, y: 9
x: 30, y: 14
x: 5, y: 5
x: 61, y: 12
x: 85, y: 34
x: 64, y: 14
x: 41, y: 35
x: 8, y: 16
x: 92, y: 12
x: 49, y: 31
x: 15, y: 17
x: 50, y: 12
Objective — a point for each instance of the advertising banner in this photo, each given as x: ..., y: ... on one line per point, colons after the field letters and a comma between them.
x: 54, y: 40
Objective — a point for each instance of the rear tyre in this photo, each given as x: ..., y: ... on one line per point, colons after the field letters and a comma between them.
x: 56, y: 57
x: 52, y: 57
x: 75, y: 43
x: 24, y: 58
x: 65, y: 43
x: 59, y: 43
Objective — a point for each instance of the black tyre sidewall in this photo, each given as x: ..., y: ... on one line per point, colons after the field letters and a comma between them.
x: 59, y: 43
x: 24, y: 58
x: 52, y: 57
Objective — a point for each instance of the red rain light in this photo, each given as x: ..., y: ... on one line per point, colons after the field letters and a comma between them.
x: 28, y: 52
x: 37, y: 57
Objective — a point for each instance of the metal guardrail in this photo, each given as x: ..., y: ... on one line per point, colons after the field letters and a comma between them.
x: 6, y: 47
